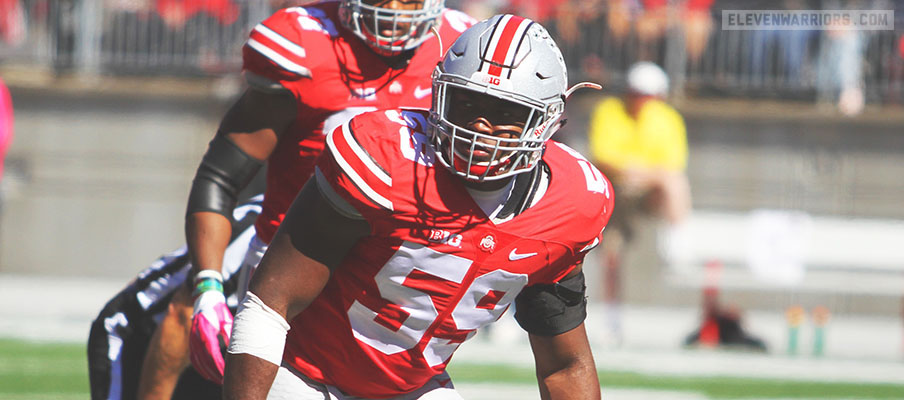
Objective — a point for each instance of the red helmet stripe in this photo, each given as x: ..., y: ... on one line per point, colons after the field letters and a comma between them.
x: 504, y: 44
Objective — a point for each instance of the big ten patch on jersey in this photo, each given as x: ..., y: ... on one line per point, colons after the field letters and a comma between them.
x: 490, y: 247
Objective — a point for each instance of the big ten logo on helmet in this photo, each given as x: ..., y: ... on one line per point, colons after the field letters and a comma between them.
x: 500, y: 82
x: 492, y: 80
x: 444, y: 237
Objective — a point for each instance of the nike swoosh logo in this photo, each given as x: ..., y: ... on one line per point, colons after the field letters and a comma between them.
x: 421, y: 93
x: 514, y: 256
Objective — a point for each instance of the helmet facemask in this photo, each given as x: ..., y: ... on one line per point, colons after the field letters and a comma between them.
x: 483, y: 156
x: 510, y: 59
x: 409, y: 28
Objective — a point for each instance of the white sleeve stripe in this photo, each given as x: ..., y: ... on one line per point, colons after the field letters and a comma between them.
x: 278, y: 59
x: 280, y: 40
x: 364, y: 157
x: 366, y: 189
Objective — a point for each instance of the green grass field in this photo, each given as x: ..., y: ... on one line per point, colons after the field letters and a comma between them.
x: 59, y: 372
x: 713, y: 387
x: 42, y: 371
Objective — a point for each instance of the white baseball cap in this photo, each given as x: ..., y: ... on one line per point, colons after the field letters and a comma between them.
x: 647, y: 78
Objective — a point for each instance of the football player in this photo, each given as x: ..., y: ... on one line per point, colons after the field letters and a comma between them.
x: 120, y: 334
x: 308, y: 69
x: 421, y: 226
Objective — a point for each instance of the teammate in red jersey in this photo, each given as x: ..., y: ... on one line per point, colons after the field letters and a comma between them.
x: 419, y: 227
x: 308, y: 69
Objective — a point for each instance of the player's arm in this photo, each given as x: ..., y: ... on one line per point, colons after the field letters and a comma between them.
x: 553, y: 316
x: 318, y: 231
x: 565, y: 368
x: 248, y: 134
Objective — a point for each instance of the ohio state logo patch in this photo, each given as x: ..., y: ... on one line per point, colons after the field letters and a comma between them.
x: 488, y: 243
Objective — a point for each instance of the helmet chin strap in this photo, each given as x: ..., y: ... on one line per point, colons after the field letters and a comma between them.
x: 588, y: 85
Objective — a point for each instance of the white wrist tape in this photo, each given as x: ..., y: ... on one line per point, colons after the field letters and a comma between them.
x: 208, y: 274
x: 258, y: 330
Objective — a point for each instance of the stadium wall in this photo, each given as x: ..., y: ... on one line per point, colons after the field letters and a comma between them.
x: 98, y: 176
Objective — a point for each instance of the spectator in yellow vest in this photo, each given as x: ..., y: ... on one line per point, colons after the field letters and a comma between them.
x: 639, y: 141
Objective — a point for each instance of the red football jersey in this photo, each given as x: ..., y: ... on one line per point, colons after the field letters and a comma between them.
x: 333, y: 76
x: 435, y: 268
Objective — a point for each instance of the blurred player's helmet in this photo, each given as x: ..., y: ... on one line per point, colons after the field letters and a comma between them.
x: 409, y: 28
x: 510, y: 58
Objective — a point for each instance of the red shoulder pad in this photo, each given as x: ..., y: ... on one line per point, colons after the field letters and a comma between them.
x: 590, y: 196
x: 362, y: 154
x: 284, y: 47
x: 358, y: 160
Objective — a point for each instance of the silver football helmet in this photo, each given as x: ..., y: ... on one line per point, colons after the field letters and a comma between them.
x: 409, y: 28
x: 505, y: 57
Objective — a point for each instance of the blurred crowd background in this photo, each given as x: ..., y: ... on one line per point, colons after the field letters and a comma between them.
x: 795, y: 138
x: 600, y: 39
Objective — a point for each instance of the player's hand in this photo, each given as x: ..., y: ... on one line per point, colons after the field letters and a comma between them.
x: 211, y: 326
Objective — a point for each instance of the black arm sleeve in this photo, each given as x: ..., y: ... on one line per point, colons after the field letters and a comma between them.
x: 318, y: 228
x: 224, y: 171
x: 549, y: 310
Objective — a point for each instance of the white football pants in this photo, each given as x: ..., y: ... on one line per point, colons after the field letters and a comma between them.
x: 253, y: 255
x: 292, y: 385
